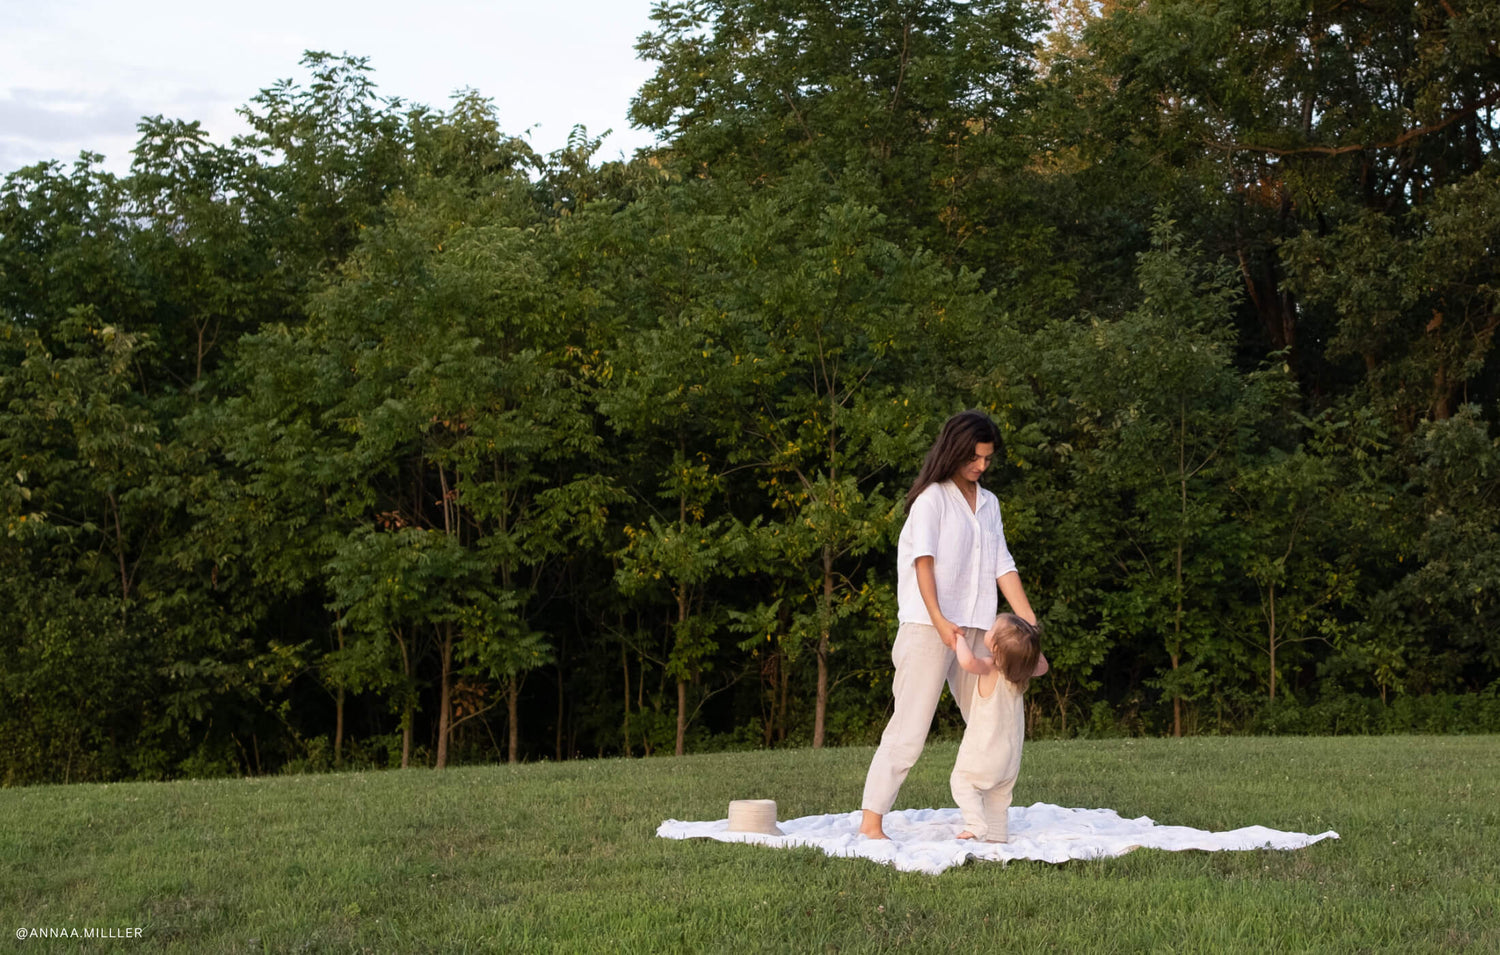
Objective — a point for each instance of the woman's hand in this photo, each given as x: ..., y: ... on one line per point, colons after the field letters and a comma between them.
x: 949, y: 632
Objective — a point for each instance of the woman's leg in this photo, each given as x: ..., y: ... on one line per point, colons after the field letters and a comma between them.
x: 922, y: 662
x: 960, y: 681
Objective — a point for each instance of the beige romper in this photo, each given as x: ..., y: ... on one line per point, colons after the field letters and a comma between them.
x: 989, y: 759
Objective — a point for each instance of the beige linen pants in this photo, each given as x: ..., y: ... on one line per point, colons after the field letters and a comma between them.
x: 923, y: 665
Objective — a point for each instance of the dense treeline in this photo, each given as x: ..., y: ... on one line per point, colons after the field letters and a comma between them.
x: 373, y: 437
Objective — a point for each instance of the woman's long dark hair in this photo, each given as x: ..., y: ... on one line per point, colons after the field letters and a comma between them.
x: 953, y: 449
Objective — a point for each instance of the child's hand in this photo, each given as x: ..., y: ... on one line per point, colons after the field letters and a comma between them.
x: 989, y: 635
x: 950, y: 633
x: 968, y: 661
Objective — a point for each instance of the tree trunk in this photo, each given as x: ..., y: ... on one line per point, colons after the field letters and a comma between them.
x: 114, y: 506
x: 784, y: 691
x: 1273, y: 305
x: 406, y: 720
x: 784, y: 675
x: 625, y: 726
x: 769, y: 678
x: 820, y: 712
x: 682, y: 612
x: 1061, y: 692
x: 204, y: 344
x: 338, y: 710
x: 512, y: 719
x: 407, y: 715
x: 1181, y: 544
x: 562, y: 651
x: 1271, y: 642
x: 445, y: 697
x: 1442, y: 408
x: 1176, y: 650
x: 1176, y: 706
x: 338, y: 730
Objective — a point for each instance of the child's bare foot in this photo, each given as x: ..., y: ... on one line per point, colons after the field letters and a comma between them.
x: 870, y: 827
x: 966, y: 834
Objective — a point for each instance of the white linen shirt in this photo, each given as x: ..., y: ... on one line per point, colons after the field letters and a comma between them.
x: 968, y: 556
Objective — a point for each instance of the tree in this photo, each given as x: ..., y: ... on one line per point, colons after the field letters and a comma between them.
x: 211, y: 269
x: 1290, y: 507
x: 809, y: 334
x: 836, y: 320
x: 1421, y: 343
x: 1167, y: 419
x: 672, y: 392
x: 443, y: 400
x: 1451, y: 586
x: 328, y: 155
x: 80, y: 514
x: 1265, y: 122
x: 65, y: 243
x: 917, y: 110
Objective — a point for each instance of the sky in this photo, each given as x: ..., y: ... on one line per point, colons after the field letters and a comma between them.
x: 78, y: 74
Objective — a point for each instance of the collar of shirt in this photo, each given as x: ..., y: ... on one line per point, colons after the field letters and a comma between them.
x: 952, y: 490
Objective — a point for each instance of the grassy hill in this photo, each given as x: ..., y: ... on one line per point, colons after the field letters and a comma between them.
x: 563, y: 857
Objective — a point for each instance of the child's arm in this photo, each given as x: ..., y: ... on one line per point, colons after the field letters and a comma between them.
x: 969, y: 661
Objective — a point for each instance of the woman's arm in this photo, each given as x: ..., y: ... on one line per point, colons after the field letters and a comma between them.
x: 1015, y: 595
x: 948, y: 631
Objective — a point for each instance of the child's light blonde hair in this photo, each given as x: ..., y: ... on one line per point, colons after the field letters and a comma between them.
x: 1016, y: 647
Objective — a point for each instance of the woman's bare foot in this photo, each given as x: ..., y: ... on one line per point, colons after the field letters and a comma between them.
x: 966, y: 834
x: 870, y: 827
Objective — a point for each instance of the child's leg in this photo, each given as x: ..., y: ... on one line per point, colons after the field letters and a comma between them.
x: 996, y: 810
x: 970, y: 801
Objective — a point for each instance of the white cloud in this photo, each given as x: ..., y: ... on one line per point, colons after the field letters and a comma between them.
x: 64, y: 115
x: 79, y: 74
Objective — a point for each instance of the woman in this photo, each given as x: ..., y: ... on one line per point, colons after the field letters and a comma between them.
x: 951, y: 548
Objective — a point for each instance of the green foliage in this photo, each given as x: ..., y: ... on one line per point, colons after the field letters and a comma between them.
x: 1154, y: 423
x: 916, y: 111
x: 375, y: 437
x: 1347, y: 714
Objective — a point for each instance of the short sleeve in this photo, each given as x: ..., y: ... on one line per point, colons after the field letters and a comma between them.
x: 923, y: 522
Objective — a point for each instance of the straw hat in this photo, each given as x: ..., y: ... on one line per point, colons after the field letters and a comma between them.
x: 754, y: 815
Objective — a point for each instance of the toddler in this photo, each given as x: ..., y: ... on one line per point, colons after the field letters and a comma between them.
x: 989, y: 758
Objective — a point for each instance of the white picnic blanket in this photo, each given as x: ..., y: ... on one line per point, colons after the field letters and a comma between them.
x: 922, y: 840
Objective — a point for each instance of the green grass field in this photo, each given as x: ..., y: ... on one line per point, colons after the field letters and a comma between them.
x: 563, y: 857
